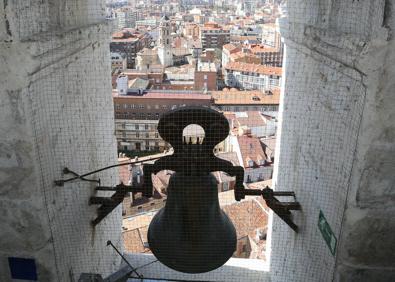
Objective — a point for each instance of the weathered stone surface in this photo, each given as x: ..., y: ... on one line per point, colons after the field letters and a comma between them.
x: 369, y: 240
x: 377, y: 184
x: 336, y: 141
x: 55, y: 111
x: 350, y: 274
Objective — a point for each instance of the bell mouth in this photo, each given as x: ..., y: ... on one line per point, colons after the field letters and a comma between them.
x: 200, y: 251
x: 187, y: 262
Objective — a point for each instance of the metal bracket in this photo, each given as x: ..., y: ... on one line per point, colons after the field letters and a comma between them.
x: 108, y: 204
x: 282, y: 209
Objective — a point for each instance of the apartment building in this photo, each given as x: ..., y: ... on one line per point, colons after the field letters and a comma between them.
x: 118, y: 61
x: 137, y: 116
x: 205, y: 76
x: 129, y: 42
x: 252, y: 76
x: 213, y: 35
x: 252, y: 53
x: 272, y: 56
x: 240, y: 101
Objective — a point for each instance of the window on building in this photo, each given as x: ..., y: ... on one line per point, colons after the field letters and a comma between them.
x: 146, y: 127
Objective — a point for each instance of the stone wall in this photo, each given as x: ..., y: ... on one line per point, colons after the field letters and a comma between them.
x: 56, y: 111
x: 336, y: 141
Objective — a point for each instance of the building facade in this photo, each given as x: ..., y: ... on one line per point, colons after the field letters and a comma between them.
x: 205, y: 76
x: 252, y: 157
x: 118, y: 61
x: 212, y: 35
x: 129, y: 42
x: 271, y: 56
x: 240, y: 101
x: 137, y: 116
x: 271, y: 35
x: 252, y: 76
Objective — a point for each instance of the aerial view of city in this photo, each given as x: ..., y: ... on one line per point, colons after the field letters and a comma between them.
x: 219, y: 54
x: 197, y: 140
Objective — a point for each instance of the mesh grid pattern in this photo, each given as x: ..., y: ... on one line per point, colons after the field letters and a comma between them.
x: 75, y: 119
x: 69, y: 115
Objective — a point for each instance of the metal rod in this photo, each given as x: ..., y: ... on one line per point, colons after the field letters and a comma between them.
x: 124, y: 259
x: 252, y: 192
x: 170, y: 279
x: 61, y: 182
x: 291, y: 205
x: 284, y: 193
x: 105, y: 188
x: 258, y: 192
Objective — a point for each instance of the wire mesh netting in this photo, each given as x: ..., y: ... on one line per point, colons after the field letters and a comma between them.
x: 103, y: 74
x: 137, y: 138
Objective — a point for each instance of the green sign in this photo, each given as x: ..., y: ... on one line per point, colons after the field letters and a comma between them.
x: 327, y: 233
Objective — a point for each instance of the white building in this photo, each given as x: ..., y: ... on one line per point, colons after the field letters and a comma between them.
x: 271, y: 35
x: 122, y: 84
x: 254, y: 123
x: 252, y: 76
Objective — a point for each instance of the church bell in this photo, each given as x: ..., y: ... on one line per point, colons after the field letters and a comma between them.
x: 191, y: 233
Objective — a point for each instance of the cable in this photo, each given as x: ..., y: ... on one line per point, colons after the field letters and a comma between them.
x: 61, y: 182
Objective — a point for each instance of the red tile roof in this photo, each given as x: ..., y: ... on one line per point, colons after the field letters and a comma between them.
x: 231, y: 48
x: 251, y: 149
x: 247, y: 216
x: 167, y: 95
x: 258, y: 49
x: 252, y: 118
x: 238, y: 97
x: 134, y: 240
x: 254, y: 68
